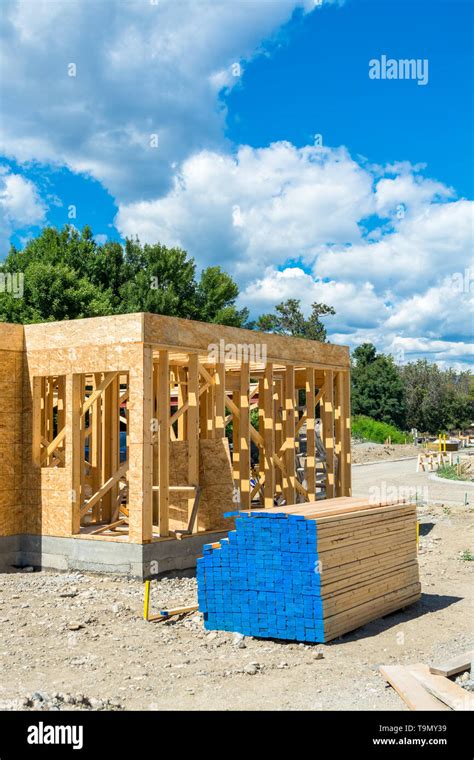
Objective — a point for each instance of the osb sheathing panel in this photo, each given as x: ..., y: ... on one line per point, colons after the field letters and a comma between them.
x: 32, y: 511
x: 82, y: 360
x: 55, y: 502
x: 198, y: 336
x: 215, y: 479
x: 47, y: 510
x: 11, y: 382
x: 12, y: 337
x: 98, y: 331
x: 153, y: 329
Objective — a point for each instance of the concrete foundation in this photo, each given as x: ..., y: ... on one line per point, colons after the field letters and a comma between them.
x: 136, y: 560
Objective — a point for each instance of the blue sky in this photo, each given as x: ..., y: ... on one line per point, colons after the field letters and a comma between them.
x: 375, y: 221
x: 317, y: 83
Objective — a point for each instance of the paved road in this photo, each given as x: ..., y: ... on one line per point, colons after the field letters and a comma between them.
x: 397, y: 480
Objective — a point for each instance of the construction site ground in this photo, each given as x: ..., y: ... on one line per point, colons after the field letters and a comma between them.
x: 77, y: 641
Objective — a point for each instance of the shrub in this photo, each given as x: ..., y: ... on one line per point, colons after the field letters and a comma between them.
x: 377, y: 432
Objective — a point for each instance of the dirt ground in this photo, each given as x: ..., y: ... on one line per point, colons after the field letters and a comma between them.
x: 373, y: 452
x: 365, y: 452
x: 77, y: 641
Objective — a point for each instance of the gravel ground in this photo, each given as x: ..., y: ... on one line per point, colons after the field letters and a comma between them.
x: 365, y: 452
x: 77, y: 641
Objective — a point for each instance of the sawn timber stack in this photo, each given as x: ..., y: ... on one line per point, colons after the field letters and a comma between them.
x: 311, y: 572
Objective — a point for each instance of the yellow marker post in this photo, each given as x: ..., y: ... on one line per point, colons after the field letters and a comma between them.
x: 146, y: 601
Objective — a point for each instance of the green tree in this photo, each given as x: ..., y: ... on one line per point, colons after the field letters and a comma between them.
x: 216, y: 296
x: 158, y: 279
x: 290, y: 320
x: 68, y: 275
x: 377, y: 388
x: 437, y: 400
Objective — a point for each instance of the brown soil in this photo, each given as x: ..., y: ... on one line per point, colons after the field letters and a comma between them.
x: 373, y: 452
x: 80, y: 642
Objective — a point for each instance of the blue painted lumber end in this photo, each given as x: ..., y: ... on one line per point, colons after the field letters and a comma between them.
x: 264, y: 579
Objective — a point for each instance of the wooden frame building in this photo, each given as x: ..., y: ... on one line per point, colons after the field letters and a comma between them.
x: 142, y: 430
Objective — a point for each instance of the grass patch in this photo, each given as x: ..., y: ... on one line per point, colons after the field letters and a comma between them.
x: 377, y: 432
x: 458, y: 472
x: 467, y: 555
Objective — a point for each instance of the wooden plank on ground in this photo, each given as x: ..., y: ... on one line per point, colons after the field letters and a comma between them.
x: 442, y: 688
x: 166, y: 614
x: 410, y: 689
x: 453, y: 666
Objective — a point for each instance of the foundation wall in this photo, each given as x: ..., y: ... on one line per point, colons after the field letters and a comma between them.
x: 135, y: 560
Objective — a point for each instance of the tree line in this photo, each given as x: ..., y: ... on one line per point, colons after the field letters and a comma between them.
x: 417, y: 394
x: 67, y: 274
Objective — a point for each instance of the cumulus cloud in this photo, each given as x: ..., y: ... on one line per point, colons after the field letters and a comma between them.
x: 128, y: 93
x: 20, y: 205
x: 259, y: 207
x: 444, y: 311
x: 121, y: 90
x: 407, y: 193
x: 291, y: 222
x: 423, y: 249
x: 356, y: 307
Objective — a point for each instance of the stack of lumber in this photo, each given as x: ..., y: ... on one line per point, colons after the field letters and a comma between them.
x: 311, y: 572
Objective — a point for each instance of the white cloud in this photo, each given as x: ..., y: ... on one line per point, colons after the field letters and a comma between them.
x: 141, y: 69
x: 411, y: 192
x: 423, y: 249
x: 356, y: 307
x: 286, y: 221
x: 444, y: 310
x: 289, y: 222
x: 20, y: 205
x: 257, y: 208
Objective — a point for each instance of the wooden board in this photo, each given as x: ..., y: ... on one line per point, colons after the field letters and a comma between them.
x: 442, y: 688
x: 310, y: 433
x: 410, y: 689
x: 456, y: 665
x: 188, y: 334
x: 269, y: 437
x: 349, y: 620
x: 289, y: 424
x: 244, y: 437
